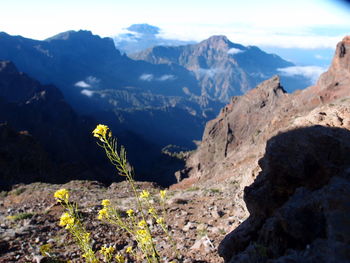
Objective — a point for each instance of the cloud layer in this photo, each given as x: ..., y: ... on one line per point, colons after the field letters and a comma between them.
x: 310, y: 72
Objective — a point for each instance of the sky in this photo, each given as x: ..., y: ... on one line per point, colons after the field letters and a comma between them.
x: 305, y: 24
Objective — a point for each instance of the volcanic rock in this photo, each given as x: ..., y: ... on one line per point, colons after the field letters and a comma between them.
x: 298, y: 202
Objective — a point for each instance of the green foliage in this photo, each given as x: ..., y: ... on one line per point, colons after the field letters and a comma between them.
x: 20, y: 216
x: 215, y: 190
x: 193, y: 188
x: 3, y: 194
x: 176, y: 152
x: 18, y: 191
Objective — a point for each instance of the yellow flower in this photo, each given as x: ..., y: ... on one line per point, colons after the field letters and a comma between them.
x: 101, y: 132
x: 67, y: 220
x: 141, y: 232
x: 152, y: 211
x: 160, y: 220
x: 144, y: 194
x: 130, y: 212
x: 106, y: 251
x: 162, y: 194
x: 128, y: 250
x: 119, y: 258
x: 86, y: 237
x: 102, y: 214
x: 106, y: 202
x: 61, y: 195
x: 142, y: 224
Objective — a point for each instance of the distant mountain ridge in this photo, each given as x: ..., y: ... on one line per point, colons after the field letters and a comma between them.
x: 96, y: 78
x: 139, y: 37
x: 223, y: 69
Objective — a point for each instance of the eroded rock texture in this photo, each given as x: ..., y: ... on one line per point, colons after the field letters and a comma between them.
x: 299, y: 203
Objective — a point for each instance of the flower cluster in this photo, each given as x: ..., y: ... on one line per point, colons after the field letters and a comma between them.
x: 67, y: 221
x: 61, y: 195
x: 101, y: 132
x: 70, y: 221
x: 107, y: 252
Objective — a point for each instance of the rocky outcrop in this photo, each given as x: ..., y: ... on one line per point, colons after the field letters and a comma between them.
x: 298, y: 204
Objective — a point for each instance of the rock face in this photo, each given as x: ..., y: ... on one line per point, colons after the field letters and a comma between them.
x: 223, y: 69
x: 298, y: 204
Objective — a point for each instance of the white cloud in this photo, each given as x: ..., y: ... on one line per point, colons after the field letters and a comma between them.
x: 234, y: 51
x: 166, y: 77
x: 87, y: 92
x: 211, y: 72
x: 311, y: 72
x: 146, y: 77
x: 82, y: 84
x: 89, y: 83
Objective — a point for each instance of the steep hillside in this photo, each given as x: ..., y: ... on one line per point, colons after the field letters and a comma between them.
x: 43, y: 139
x: 223, y: 69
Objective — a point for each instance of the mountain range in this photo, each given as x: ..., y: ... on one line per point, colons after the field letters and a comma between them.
x: 222, y: 68
x: 148, y: 104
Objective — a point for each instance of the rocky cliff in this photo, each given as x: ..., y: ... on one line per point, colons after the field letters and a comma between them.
x: 296, y: 204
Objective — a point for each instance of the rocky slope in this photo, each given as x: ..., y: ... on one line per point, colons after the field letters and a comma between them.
x: 298, y: 172
x: 223, y: 69
x: 198, y: 217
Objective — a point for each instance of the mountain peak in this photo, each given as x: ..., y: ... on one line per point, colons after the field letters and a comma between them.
x: 341, y: 58
x: 71, y: 34
x: 217, y: 40
x: 144, y: 29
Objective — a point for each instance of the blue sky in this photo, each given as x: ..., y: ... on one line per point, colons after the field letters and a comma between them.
x: 292, y: 23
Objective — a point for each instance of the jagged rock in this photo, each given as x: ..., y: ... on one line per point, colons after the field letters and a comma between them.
x: 299, y: 200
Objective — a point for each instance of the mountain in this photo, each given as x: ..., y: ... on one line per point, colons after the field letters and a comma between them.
x: 289, y: 156
x: 224, y: 69
x: 96, y: 79
x: 42, y: 138
x: 139, y: 37
x: 238, y: 134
